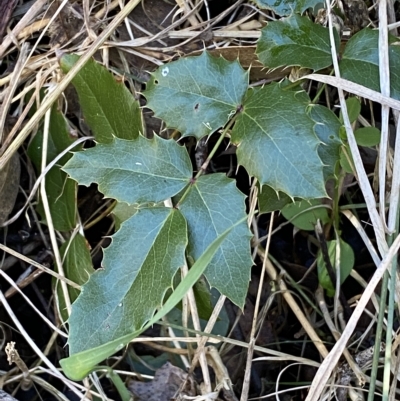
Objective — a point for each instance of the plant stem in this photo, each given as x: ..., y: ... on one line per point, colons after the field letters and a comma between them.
x: 209, y: 157
x: 105, y: 213
x: 215, y: 148
x: 118, y: 383
x: 320, y: 90
x: 294, y: 84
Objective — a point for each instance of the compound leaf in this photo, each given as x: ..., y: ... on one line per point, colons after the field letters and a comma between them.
x: 287, y: 7
x: 138, y: 269
x: 108, y: 106
x: 197, y: 95
x: 360, y: 61
x: 211, y: 207
x: 295, y: 41
x: 135, y: 171
x: 277, y: 143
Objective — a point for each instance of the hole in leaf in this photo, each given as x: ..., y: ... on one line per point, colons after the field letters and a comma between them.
x: 156, y: 82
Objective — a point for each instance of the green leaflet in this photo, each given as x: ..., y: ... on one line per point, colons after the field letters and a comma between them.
x: 353, y: 105
x: 212, y: 205
x: 81, y: 364
x: 122, y: 211
x: 197, y: 95
x: 295, y: 41
x: 327, y: 128
x: 137, y: 171
x: 277, y: 142
x: 138, y: 269
x: 61, y: 191
x: 270, y: 200
x: 360, y: 61
x: 305, y: 214
x: 367, y: 136
x: 108, y: 107
x: 78, y: 267
x: 346, y: 265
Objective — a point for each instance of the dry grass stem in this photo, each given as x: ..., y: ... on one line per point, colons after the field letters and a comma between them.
x: 49, y: 218
x: 319, y: 295
x: 355, y: 89
x: 308, y: 327
x: 384, y: 78
x: 28, y: 301
x: 9, y: 93
x: 37, y: 6
x: 196, y: 325
x: 62, y: 85
x: 41, y: 177
x: 331, y: 360
x: 38, y: 265
x: 36, y: 349
x: 252, y: 339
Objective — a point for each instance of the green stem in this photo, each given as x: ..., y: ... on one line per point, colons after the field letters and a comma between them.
x: 293, y: 85
x: 215, y: 148
x: 316, y: 98
x: 209, y: 157
x: 335, y: 204
x: 118, y: 383
x: 320, y: 90
x: 102, y: 215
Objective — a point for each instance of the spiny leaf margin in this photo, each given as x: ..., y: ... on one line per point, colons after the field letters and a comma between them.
x: 79, y: 365
x: 277, y: 143
x: 197, y: 95
x: 212, y: 205
x: 138, y: 171
x: 295, y: 41
x: 138, y: 269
